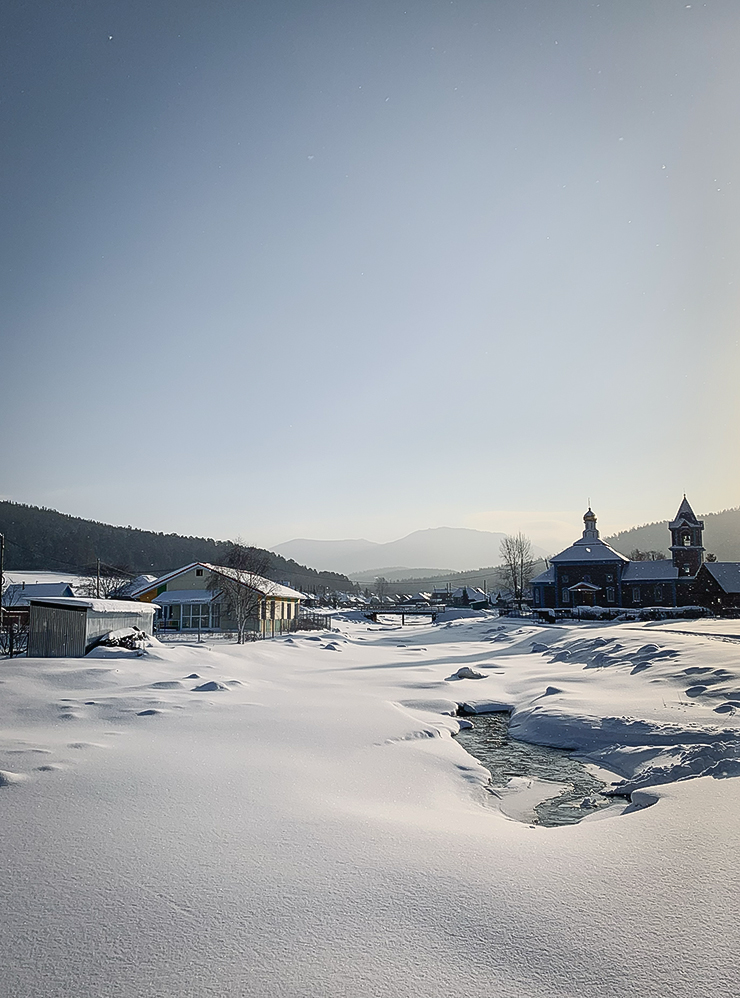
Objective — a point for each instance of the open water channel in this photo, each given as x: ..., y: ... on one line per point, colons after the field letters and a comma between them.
x: 576, y: 790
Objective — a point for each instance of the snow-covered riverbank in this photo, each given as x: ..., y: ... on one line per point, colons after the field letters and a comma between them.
x: 311, y: 828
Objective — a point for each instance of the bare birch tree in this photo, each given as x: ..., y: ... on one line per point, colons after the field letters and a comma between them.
x: 105, y: 581
x: 517, y: 564
x: 243, y: 585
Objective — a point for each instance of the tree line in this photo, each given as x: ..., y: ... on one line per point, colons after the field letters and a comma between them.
x: 43, y: 539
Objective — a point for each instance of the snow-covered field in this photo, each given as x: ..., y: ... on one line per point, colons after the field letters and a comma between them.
x: 309, y: 827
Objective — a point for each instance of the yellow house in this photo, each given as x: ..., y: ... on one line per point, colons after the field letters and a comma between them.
x: 191, y: 599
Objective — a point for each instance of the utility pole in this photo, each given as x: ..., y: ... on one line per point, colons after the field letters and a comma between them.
x: 2, y: 576
x: 97, y: 579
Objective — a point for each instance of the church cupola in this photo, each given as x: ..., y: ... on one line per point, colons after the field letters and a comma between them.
x: 686, y: 540
x: 590, y: 533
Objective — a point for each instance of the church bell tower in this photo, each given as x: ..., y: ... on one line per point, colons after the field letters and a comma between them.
x: 686, y: 540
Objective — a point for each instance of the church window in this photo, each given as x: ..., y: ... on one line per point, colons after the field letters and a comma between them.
x: 659, y: 592
x: 610, y: 594
x: 564, y: 579
x: 686, y: 540
x: 586, y: 578
x: 610, y: 578
x: 635, y: 594
x: 566, y: 596
x: 537, y: 597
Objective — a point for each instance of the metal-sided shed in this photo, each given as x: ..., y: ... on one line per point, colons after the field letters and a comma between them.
x: 68, y: 627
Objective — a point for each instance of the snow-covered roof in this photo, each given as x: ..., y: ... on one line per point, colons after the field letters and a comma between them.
x: 472, y: 593
x: 259, y: 583
x: 546, y: 577
x: 186, y: 596
x: 726, y: 573
x: 650, y: 571
x: 588, y: 550
x: 98, y: 605
x: 19, y: 594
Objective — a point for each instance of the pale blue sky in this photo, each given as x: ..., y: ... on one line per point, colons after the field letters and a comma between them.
x: 352, y: 269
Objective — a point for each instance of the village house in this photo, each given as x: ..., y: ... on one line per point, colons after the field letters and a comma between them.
x: 190, y: 599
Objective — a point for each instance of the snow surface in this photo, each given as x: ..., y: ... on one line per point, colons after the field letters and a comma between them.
x: 304, y: 825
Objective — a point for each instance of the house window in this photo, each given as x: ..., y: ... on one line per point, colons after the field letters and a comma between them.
x: 635, y: 594
x: 195, y: 616
x: 566, y: 596
x: 272, y: 609
x: 264, y: 609
x: 610, y: 595
x: 199, y: 572
x: 215, y: 615
x: 289, y: 608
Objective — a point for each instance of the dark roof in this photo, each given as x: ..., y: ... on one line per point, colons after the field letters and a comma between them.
x: 547, y: 577
x: 725, y: 573
x: 685, y: 515
x: 18, y: 594
x: 650, y: 571
x: 588, y: 550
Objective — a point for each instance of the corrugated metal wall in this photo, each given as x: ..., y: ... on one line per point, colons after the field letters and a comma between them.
x: 56, y: 633
x: 99, y: 622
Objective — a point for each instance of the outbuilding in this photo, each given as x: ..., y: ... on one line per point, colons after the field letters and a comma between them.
x: 69, y: 627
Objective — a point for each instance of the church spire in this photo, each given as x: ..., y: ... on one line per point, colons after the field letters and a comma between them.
x: 590, y: 533
x: 687, y: 549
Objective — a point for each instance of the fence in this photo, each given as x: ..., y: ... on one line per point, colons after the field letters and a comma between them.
x: 306, y: 621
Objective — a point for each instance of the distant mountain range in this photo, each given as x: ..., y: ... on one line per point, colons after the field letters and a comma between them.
x: 721, y: 536
x: 423, y: 552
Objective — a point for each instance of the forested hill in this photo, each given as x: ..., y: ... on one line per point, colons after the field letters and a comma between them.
x: 721, y: 536
x: 44, y: 539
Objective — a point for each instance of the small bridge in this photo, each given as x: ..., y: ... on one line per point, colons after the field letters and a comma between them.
x: 404, y: 610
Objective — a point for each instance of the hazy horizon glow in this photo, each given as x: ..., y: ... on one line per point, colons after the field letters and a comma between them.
x: 350, y: 270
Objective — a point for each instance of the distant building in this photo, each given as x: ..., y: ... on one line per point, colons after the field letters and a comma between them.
x: 20, y: 593
x: 717, y: 585
x: 591, y: 573
x: 189, y: 600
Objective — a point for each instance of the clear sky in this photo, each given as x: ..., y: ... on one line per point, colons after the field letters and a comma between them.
x: 354, y: 268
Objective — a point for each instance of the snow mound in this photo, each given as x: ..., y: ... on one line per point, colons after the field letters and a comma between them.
x: 465, y: 672
x: 8, y: 779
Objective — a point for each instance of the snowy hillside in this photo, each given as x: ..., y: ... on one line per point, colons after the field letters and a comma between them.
x: 309, y: 826
x: 441, y: 549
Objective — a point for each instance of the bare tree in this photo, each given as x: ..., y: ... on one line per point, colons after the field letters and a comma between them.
x: 637, y: 555
x: 13, y: 622
x: 104, y: 581
x: 381, y: 586
x: 243, y: 585
x: 517, y: 564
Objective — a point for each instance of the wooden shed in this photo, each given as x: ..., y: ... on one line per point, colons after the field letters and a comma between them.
x: 69, y: 627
